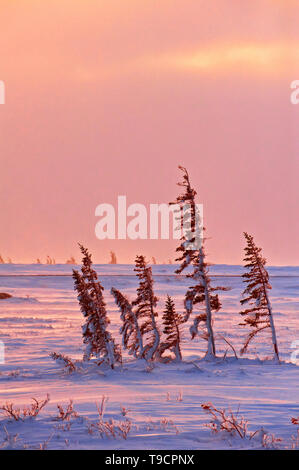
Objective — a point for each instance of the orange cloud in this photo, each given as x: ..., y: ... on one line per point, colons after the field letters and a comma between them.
x: 277, y: 59
x: 262, y: 58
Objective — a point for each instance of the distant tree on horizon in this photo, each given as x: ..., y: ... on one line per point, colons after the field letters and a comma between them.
x: 2, y: 260
x: 154, y: 261
x: 258, y: 315
x: 71, y: 260
x: 38, y: 261
x: 113, y: 259
x: 99, y: 341
x: 171, y: 328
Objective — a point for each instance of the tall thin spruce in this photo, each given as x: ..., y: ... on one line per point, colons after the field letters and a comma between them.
x: 146, y: 303
x: 98, y: 340
x: 192, y: 252
x: 258, y: 315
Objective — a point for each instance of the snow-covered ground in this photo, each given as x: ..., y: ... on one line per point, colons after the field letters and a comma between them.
x: 163, y: 405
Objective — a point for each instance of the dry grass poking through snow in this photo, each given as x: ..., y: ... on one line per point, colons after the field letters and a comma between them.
x: 65, y: 361
x: 20, y: 414
x: 110, y: 428
x: 224, y: 423
x: 236, y: 426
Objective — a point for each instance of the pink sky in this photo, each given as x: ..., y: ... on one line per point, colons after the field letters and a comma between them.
x: 106, y: 98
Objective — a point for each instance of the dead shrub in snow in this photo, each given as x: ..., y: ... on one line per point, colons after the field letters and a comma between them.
x: 101, y: 407
x: 65, y: 361
x: 164, y: 424
x: 11, y: 412
x: 124, y: 427
x: 31, y: 411
x: 67, y: 414
x: 10, y: 440
x: 44, y: 445
x: 227, y: 421
x: 269, y: 441
x: 168, y: 425
x: 109, y: 428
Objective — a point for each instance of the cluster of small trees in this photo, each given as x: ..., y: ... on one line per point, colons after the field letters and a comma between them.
x: 49, y: 260
x: 141, y: 335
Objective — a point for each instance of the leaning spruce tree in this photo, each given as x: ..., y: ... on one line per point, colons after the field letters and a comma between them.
x: 130, y: 331
x: 146, y: 303
x: 258, y: 315
x: 98, y: 340
x: 171, y: 323
x: 192, y: 253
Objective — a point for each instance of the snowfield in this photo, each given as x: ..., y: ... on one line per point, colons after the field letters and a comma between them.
x: 145, y: 408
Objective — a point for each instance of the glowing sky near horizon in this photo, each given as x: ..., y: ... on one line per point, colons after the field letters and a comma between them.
x: 106, y: 98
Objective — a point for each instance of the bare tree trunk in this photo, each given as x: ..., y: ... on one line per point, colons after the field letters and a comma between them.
x: 178, y: 352
x: 274, y: 340
x: 139, y: 338
x: 151, y: 353
x: 211, y: 342
x: 110, y: 352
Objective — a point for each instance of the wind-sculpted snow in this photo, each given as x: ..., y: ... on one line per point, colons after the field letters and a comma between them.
x: 164, y: 402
